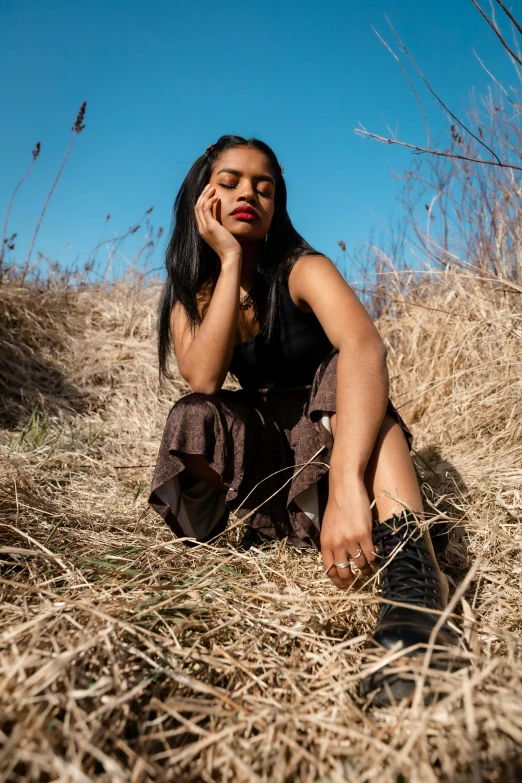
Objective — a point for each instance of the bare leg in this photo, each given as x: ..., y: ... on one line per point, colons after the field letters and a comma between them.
x: 390, y: 469
x: 197, y: 467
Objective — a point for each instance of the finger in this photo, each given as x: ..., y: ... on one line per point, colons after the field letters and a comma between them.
x: 359, y: 558
x: 207, y: 197
x: 217, y: 211
x: 197, y: 207
x: 329, y: 567
x: 203, y: 197
x: 366, y: 544
x: 327, y: 558
x: 342, y: 577
x: 213, y: 203
x: 207, y: 206
x: 342, y: 557
x: 342, y: 582
x: 200, y: 219
x: 206, y: 215
x: 364, y: 570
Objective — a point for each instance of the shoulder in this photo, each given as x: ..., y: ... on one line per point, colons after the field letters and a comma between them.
x: 312, y: 273
x: 202, y: 300
x: 316, y: 285
x: 313, y: 266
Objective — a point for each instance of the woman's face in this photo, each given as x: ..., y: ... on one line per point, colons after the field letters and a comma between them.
x: 243, y: 177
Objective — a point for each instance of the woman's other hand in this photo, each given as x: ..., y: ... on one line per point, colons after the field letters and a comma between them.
x: 210, y: 228
x: 346, y: 533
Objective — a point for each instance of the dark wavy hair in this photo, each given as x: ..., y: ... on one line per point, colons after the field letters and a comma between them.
x: 192, y: 264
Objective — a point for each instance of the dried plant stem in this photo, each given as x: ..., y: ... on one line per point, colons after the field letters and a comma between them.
x: 163, y: 662
x: 45, y: 205
x: 36, y: 153
x: 76, y: 129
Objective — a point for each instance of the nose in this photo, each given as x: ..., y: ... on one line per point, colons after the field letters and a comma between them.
x: 247, y: 192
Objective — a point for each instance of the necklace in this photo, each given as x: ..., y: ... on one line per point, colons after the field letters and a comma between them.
x: 245, y: 301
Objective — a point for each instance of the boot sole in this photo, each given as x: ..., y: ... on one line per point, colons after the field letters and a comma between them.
x: 390, y: 687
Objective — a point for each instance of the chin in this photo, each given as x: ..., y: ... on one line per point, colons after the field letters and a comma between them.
x: 245, y: 232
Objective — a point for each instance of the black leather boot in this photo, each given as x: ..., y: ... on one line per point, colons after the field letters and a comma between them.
x: 252, y: 537
x: 408, y: 577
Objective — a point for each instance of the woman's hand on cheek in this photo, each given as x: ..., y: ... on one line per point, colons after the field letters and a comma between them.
x: 346, y: 532
x: 212, y: 231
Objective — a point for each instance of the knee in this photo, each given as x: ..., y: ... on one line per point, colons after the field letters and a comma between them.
x: 194, y: 398
x: 330, y: 423
x: 389, y: 424
x: 193, y: 402
x: 389, y: 421
x: 193, y: 408
x: 391, y: 442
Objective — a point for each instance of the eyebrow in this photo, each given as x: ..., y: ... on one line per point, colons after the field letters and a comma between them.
x: 260, y: 178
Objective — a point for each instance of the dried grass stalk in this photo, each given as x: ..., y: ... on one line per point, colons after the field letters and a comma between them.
x: 125, y: 656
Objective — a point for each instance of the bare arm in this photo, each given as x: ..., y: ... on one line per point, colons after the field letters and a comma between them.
x: 204, y: 355
x: 361, y: 399
x: 362, y: 375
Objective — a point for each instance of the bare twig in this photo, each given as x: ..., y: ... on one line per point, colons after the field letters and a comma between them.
x: 441, y: 153
x: 403, y: 69
x: 497, y: 31
x: 499, y: 84
x: 438, y: 99
x: 510, y: 15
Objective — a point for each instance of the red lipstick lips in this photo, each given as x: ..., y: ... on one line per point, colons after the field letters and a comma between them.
x: 244, y: 213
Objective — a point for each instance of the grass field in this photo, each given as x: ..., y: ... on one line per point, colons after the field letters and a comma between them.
x: 127, y: 656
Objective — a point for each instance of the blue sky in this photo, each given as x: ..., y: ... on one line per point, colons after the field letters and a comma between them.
x: 163, y: 79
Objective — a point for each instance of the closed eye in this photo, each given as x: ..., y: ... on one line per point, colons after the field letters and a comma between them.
x: 229, y: 187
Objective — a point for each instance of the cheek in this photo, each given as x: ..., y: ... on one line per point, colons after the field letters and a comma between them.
x: 221, y: 193
x: 225, y: 201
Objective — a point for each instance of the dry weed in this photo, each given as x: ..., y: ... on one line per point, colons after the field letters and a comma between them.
x: 126, y: 656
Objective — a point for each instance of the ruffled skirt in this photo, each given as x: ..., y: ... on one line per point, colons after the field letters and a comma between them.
x: 271, y: 448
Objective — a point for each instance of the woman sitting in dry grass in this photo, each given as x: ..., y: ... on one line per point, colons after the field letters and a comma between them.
x: 310, y: 447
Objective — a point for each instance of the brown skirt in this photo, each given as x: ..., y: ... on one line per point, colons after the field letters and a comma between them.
x: 271, y: 447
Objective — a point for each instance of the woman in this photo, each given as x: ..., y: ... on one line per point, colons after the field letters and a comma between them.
x: 310, y: 447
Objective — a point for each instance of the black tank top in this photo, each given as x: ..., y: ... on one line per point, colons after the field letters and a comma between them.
x: 291, y: 358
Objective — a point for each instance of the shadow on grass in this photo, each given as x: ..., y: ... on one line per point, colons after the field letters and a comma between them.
x: 31, y: 378
x: 442, y: 488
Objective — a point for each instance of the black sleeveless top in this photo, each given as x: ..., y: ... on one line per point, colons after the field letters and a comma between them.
x: 291, y: 358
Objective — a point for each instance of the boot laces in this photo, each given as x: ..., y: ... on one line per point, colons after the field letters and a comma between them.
x: 408, y: 575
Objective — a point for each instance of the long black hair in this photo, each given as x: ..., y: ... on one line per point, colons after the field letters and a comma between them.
x: 192, y: 264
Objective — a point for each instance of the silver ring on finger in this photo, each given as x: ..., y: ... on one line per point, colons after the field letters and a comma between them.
x: 359, y: 553
x: 342, y: 565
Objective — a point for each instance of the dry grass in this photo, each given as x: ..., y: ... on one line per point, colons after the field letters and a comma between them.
x: 126, y: 656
